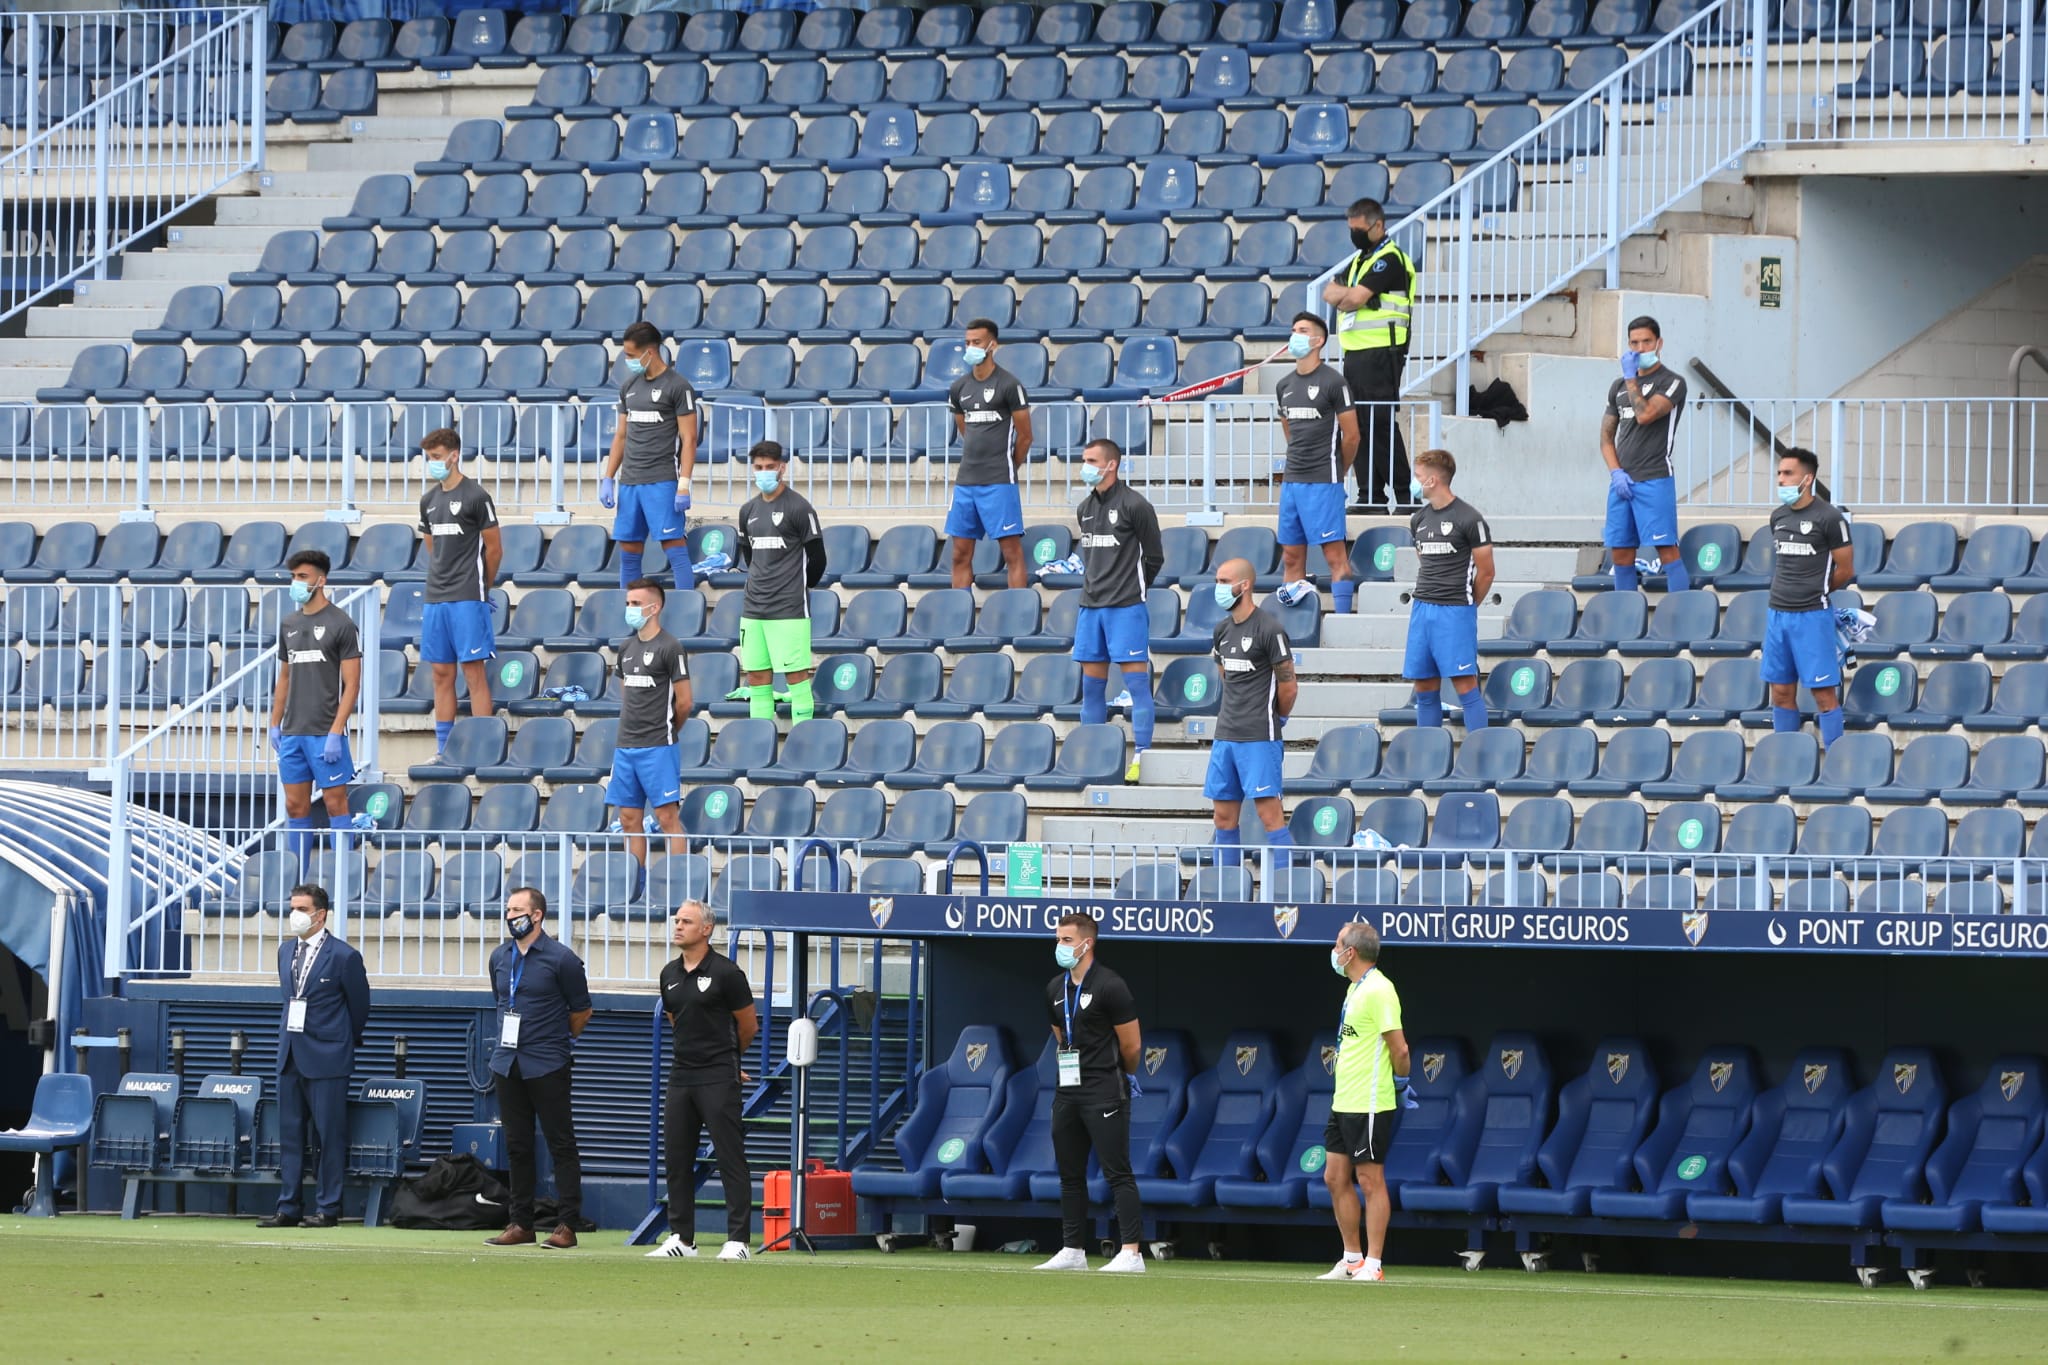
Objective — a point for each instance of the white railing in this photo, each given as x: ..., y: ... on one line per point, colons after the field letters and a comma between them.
x: 161, y: 117
x: 1876, y: 454
x: 541, y: 461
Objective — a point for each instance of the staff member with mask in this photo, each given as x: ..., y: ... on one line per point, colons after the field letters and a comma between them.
x: 1095, y: 1023
x: 543, y: 1000
x: 993, y: 417
x: 326, y: 1005
x: 647, y: 471
x: 1374, y: 296
x: 1259, y: 690
x: 1372, y: 1089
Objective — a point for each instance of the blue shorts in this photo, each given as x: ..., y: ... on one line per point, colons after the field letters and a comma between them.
x: 1648, y: 518
x: 1121, y: 635
x: 1311, y: 513
x: 299, y: 761
x: 1801, y: 647
x: 647, y: 511
x: 456, y: 633
x: 986, y: 511
x: 1243, y: 771
x: 1443, y: 642
x: 644, y: 779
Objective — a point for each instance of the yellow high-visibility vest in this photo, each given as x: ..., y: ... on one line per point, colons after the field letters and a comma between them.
x: 1385, y: 323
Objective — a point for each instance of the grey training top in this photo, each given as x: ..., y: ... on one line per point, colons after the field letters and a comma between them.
x: 313, y: 646
x: 990, y: 407
x: 457, y: 518
x: 1803, y: 543
x: 648, y: 409
x: 771, y: 543
x: 648, y: 672
x: 1247, y: 652
x: 1310, y: 404
x: 1644, y: 450
x: 1121, y: 551
x: 1445, y: 538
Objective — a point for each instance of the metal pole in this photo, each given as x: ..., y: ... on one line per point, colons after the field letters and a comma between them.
x: 347, y: 511
x: 556, y: 513
x: 116, y: 947
x: 1758, y: 52
x: 253, y: 24
x: 141, y: 510
x: 32, y: 77
x: 1464, y: 385
x: 1613, y: 188
x: 2026, y: 73
x: 102, y: 217
x: 114, y: 664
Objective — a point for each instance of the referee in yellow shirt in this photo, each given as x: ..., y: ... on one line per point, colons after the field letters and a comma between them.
x: 1372, y: 1084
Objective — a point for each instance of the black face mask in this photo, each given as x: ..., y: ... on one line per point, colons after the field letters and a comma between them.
x: 520, y: 927
x: 1362, y: 239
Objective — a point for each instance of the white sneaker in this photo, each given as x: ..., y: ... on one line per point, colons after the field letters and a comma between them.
x: 734, y: 1251
x: 1067, y: 1258
x: 1122, y: 702
x: 1295, y: 593
x: 1343, y: 1270
x: 1126, y: 1262
x: 672, y: 1245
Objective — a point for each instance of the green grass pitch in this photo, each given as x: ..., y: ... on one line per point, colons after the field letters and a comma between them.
x: 215, y: 1290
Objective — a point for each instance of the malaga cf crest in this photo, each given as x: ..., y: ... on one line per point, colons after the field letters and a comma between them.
x: 1432, y: 1065
x: 977, y: 1053
x: 1718, y: 1074
x: 1247, y: 1058
x: 1816, y: 1076
x: 1285, y: 917
x: 1511, y: 1062
x: 1617, y: 1066
x: 880, y: 909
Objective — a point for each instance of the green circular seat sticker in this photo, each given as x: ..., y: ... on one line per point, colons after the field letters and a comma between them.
x: 1196, y: 687
x: 1326, y: 820
x: 1690, y: 833
x: 1887, y: 681
x: 950, y: 1150
x: 512, y: 672
x: 714, y: 541
x: 1041, y: 551
x: 844, y: 677
x: 715, y: 804
x: 1523, y: 682
x: 1692, y: 1168
x: 379, y: 805
x: 1710, y: 557
x: 1313, y: 1160
x: 1383, y: 557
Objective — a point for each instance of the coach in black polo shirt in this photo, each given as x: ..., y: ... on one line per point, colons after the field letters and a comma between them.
x: 1095, y: 1022
x: 710, y: 1006
x: 543, y: 1002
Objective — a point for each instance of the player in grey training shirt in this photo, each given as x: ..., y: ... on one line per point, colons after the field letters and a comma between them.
x: 460, y: 523
x: 320, y: 672
x: 1636, y: 438
x: 1259, y: 690
x: 1121, y: 554
x: 1812, y: 556
x: 991, y: 413
x: 654, y: 703
x: 1321, y: 427
x: 1454, y: 572
x: 783, y: 549
x: 654, y: 453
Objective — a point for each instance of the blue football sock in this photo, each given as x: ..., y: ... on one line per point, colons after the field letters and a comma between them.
x: 1342, y: 591
x: 1830, y: 723
x: 1282, y: 837
x: 1784, y: 719
x: 441, y: 729
x: 300, y: 840
x: 1624, y: 578
x: 340, y: 822
x: 679, y: 565
x: 1143, y: 711
x: 1094, y: 700
x: 1429, y: 708
x: 629, y: 567
x: 1228, y: 851
x: 1675, y: 576
x: 1473, y: 704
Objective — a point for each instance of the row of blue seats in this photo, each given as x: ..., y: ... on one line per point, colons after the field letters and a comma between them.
x: 304, y: 97
x: 1962, y: 62
x: 1933, y: 554
x: 1504, y: 1145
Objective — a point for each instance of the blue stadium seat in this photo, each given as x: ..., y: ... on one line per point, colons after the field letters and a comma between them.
x: 1699, y: 1126
x: 1888, y: 1131
x: 1852, y: 765
x: 1633, y: 757
x: 880, y: 748
x: 1046, y: 683
x: 2005, y: 766
x: 1342, y: 755
x: 1557, y: 759
x: 1228, y: 1108
x: 1602, y: 1118
x: 1498, y: 1125
x: 1091, y: 755
x: 1537, y: 617
x: 1289, y: 1153
x: 918, y: 820
x: 1588, y: 688
x: 950, y: 750
x: 1792, y: 1130
x: 1778, y: 763
x: 1974, y: 1179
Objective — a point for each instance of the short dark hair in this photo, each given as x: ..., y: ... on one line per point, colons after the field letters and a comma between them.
x: 1082, y: 921
x: 441, y: 438
x: 643, y: 334
x: 1808, y: 461
x: 314, y: 559
x: 1320, y: 325
x: 1368, y: 209
x: 1648, y: 324
x: 768, y: 450
x: 985, y: 325
x: 535, y: 898
x: 1116, y: 452
x: 651, y: 586
x: 313, y: 892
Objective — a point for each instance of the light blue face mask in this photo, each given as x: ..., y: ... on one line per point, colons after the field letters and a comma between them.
x: 437, y: 470
x: 635, y: 365
x: 1091, y: 474
x: 1226, y: 596
x: 1416, y: 492
x: 766, y: 479
x: 302, y: 593
x: 635, y: 617
x: 1337, y: 962
x: 1646, y: 360
x: 1066, y: 954
x: 973, y: 355
x: 1788, y: 496
x: 1299, y: 345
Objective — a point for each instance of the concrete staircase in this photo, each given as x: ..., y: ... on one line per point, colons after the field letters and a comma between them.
x: 221, y: 235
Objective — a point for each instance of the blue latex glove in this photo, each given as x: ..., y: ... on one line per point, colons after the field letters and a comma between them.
x: 276, y: 738
x: 1283, y: 721
x: 330, y: 749
x: 1629, y: 364
x: 608, y: 492
x: 1408, y: 1100
x: 1624, y: 487
x: 682, y: 502
x: 1132, y: 1078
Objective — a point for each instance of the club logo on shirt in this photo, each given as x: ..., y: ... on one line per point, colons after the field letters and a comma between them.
x: 1432, y: 1065
x: 977, y: 1053
x: 1904, y: 1074
x: 2009, y: 1083
x: 1285, y: 917
x: 703, y: 984
x: 988, y: 395
x: 1694, y: 922
x: 777, y: 518
x: 1617, y: 1066
x: 1805, y: 528
x: 319, y: 632
x: 1313, y: 390
x: 648, y: 657
x: 1086, y: 997
x: 1443, y: 528
x: 880, y: 908
x: 1816, y: 1076
x: 454, y: 509
x: 1247, y: 1058
x: 1718, y: 1075
x: 1511, y: 1062
x: 1244, y: 642
x: 1112, y: 516
x: 1328, y: 1057
x: 1155, y: 1057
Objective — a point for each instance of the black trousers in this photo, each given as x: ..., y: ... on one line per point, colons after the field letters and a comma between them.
x: 521, y: 1100
x: 1375, y: 381
x: 689, y: 1110
x: 1105, y: 1128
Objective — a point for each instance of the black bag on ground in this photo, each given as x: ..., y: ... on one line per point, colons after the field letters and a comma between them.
x: 455, y: 1194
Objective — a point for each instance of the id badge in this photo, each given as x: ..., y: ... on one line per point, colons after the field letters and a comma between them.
x: 295, y: 1016
x: 1070, y: 1067
x: 508, y: 1031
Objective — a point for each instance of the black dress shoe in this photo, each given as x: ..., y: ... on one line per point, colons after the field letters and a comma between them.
x: 321, y: 1220
x: 279, y: 1220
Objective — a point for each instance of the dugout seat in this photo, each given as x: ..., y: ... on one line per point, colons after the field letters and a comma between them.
x: 1602, y: 1118
x: 212, y: 1131
x: 957, y: 1104
x: 1501, y: 1116
x: 1018, y: 1145
x: 1888, y: 1131
x: 1439, y: 1067
x: 1290, y: 1152
x: 60, y: 1118
x: 1699, y: 1125
x: 1792, y: 1129
x: 1228, y: 1108
x: 1979, y: 1165
x: 1164, y: 1073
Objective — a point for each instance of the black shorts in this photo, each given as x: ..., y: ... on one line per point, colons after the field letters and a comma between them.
x: 1362, y: 1137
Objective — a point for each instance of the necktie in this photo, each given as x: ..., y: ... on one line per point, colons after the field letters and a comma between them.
x: 299, y: 968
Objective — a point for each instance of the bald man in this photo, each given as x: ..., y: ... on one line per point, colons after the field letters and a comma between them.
x: 1259, y: 690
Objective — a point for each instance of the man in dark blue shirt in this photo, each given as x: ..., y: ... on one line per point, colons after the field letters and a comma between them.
x: 543, y: 1001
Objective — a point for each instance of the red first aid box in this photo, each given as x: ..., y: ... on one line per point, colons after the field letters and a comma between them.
x: 828, y: 1204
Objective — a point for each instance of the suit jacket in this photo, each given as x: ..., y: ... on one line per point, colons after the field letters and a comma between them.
x: 337, y: 1009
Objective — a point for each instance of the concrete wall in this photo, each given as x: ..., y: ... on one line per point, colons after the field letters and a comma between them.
x: 1966, y: 353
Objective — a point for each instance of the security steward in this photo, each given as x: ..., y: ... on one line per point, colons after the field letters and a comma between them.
x: 1095, y: 1024
x: 710, y: 1007
x: 543, y: 998
x: 1374, y: 296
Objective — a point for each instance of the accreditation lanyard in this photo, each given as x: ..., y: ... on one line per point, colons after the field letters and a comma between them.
x: 508, y: 1027
x: 1344, y: 1010
x: 1070, y: 1053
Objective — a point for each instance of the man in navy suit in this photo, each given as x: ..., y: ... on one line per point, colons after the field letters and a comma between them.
x: 326, y: 1005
